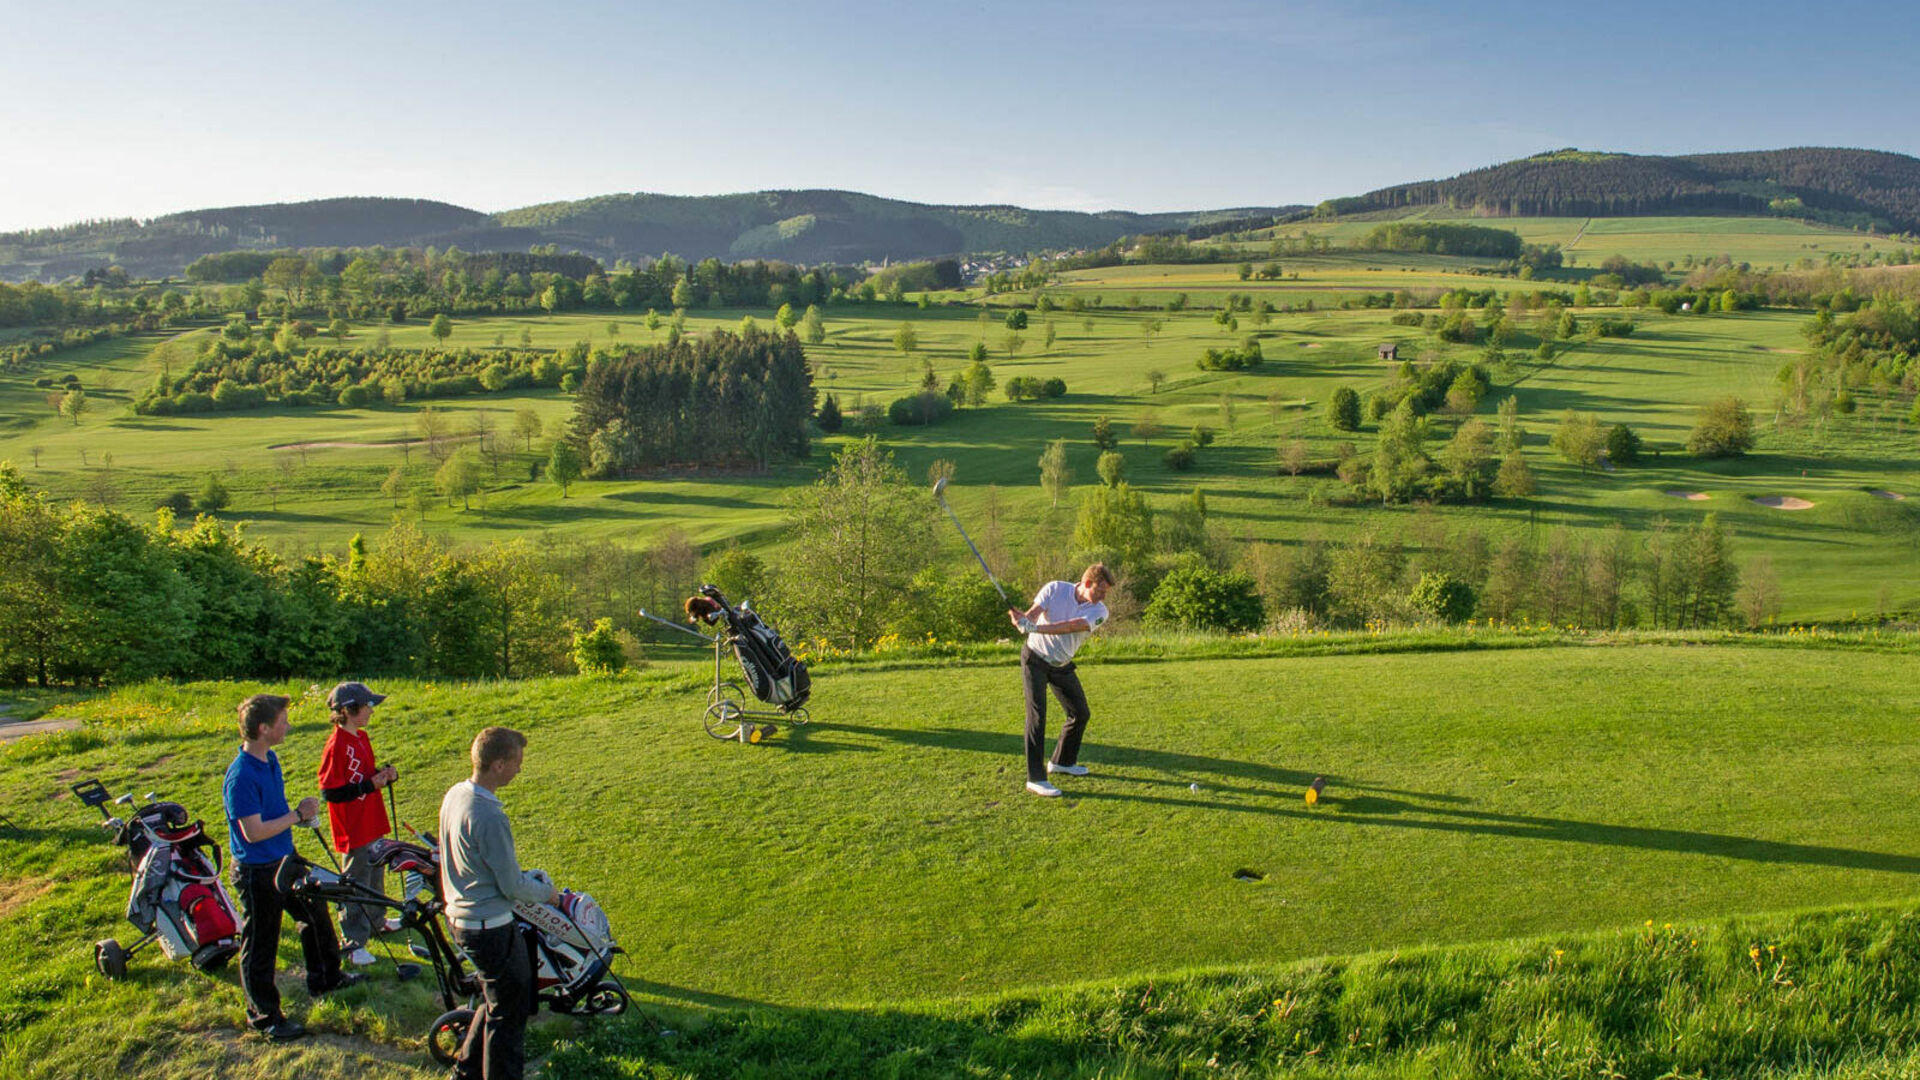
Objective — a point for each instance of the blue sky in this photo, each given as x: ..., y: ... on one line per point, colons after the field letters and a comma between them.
x: 119, y: 108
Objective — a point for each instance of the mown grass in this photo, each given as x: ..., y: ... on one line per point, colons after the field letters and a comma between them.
x: 834, y: 882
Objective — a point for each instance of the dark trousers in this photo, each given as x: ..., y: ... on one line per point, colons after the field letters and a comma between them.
x: 261, y: 906
x: 1038, y: 675
x: 496, y: 1046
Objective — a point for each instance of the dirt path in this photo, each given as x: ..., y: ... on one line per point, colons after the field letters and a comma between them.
x: 1575, y: 242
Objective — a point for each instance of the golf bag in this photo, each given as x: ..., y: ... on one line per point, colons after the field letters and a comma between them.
x: 570, y: 943
x: 773, y: 675
x: 177, y: 897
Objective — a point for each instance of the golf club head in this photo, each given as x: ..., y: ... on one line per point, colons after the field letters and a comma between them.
x: 406, y: 972
x: 940, y: 488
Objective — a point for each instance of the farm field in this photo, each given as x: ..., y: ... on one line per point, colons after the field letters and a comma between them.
x: 885, y: 855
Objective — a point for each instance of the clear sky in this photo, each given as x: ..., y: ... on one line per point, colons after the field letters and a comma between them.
x: 115, y: 108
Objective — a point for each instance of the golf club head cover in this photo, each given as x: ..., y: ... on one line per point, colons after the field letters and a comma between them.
x: 702, y: 609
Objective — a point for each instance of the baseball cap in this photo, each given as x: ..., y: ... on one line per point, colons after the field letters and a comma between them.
x: 353, y: 693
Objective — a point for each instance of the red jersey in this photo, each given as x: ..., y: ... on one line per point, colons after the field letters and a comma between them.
x: 348, y: 759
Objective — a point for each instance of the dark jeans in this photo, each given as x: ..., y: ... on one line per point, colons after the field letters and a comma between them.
x: 496, y: 1046
x: 261, y: 906
x: 1038, y: 675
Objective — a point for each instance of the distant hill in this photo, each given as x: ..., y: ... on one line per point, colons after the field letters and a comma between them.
x: 796, y: 226
x: 1838, y: 186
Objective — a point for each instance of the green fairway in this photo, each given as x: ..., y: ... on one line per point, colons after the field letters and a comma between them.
x: 887, y: 853
x: 308, y: 478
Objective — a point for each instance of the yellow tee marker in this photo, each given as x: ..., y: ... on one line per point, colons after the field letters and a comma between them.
x: 1314, y: 789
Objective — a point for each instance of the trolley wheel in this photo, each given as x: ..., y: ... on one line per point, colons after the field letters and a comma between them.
x: 447, y: 1034
x: 608, y: 998
x: 726, y: 706
x: 799, y: 716
x: 110, y: 958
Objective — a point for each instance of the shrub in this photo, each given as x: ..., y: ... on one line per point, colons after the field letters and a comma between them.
x: 1053, y: 388
x: 918, y: 409
x: 214, y: 495
x: 1202, y: 435
x: 1195, y: 596
x: 355, y: 397
x: 1623, y: 445
x: 179, y: 502
x: 1343, y: 409
x: 598, y: 651
x: 1440, y: 597
x: 1723, y: 428
x: 829, y: 415
x: 1180, y: 458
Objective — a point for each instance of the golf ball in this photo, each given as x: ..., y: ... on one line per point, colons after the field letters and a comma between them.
x: 1193, y: 787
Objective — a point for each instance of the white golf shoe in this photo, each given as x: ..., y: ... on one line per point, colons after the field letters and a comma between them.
x: 360, y: 957
x: 1070, y: 770
x: 1043, y: 789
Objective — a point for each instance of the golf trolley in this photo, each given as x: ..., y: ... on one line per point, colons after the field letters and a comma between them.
x: 771, y: 672
x: 570, y: 943
x: 176, y: 898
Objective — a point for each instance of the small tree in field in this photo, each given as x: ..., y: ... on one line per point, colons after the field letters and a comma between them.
x: 564, y: 465
x: 1723, y: 428
x: 527, y: 425
x: 74, y: 405
x: 1103, y: 436
x: 441, y: 328
x: 905, y: 339
x: 459, y: 477
x: 1055, y: 476
x: 1112, y: 468
x: 1155, y: 378
x: 1146, y: 427
x: 1343, y: 409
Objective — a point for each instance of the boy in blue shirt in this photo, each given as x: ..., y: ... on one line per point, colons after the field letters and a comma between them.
x: 258, y: 821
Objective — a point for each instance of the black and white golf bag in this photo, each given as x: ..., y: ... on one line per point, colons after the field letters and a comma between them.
x: 773, y: 675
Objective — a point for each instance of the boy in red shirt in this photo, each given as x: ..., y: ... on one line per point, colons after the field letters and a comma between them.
x: 351, y: 785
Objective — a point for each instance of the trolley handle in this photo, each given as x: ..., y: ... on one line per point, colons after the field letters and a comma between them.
x: 645, y: 614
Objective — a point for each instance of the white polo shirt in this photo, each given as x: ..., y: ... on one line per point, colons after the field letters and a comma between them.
x: 1059, y: 601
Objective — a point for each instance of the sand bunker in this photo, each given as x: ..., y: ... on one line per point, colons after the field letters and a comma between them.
x: 1889, y: 494
x: 1690, y: 496
x: 1783, y: 502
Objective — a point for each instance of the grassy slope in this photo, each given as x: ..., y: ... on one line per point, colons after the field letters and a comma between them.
x: 886, y: 855
x: 1835, y: 561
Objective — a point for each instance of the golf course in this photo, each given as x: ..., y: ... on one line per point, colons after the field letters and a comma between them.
x: 882, y: 862
x: 1562, y: 831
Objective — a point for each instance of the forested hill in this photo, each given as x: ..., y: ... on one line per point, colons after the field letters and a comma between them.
x: 1847, y: 187
x: 797, y: 226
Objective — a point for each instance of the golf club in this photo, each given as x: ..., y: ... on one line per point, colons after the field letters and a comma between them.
x: 940, y: 496
x: 402, y: 972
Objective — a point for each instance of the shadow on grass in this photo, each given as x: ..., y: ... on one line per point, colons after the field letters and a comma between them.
x: 1391, y: 813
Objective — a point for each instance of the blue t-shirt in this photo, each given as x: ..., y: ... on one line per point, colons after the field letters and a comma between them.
x: 255, y: 787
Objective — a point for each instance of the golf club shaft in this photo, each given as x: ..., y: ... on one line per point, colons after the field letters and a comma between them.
x: 975, y: 550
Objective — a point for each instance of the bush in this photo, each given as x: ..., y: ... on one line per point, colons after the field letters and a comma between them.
x: 829, y: 416
x: 1053, y: 388
x: 919, y: 409
x: 1195, y: 596
x: 1180, y: 458
x: 355, y: 397
x: 1440, y: 597
x: 214, y: 495
x: 1202, y: 435
x: 1723, y: 428
x: 1343, y: 409
x: 179, y: 502
x: 598, y: 651
x: 1623, y: 445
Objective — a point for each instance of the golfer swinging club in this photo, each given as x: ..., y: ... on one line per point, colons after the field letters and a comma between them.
x: 1062, y: 615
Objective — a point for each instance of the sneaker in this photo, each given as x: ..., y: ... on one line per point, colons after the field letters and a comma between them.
x: 1070, y: 770
x: 1042, y: 788
x: 285, y: 1031
x: 392, y: 925
x: 360, y: 957
x: 346, y: 979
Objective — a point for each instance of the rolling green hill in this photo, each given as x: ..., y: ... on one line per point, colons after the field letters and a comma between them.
x: 1837, y: 186
x: 797, y: 226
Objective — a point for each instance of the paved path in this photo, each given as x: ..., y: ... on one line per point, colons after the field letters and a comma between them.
x: 11, y: 729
